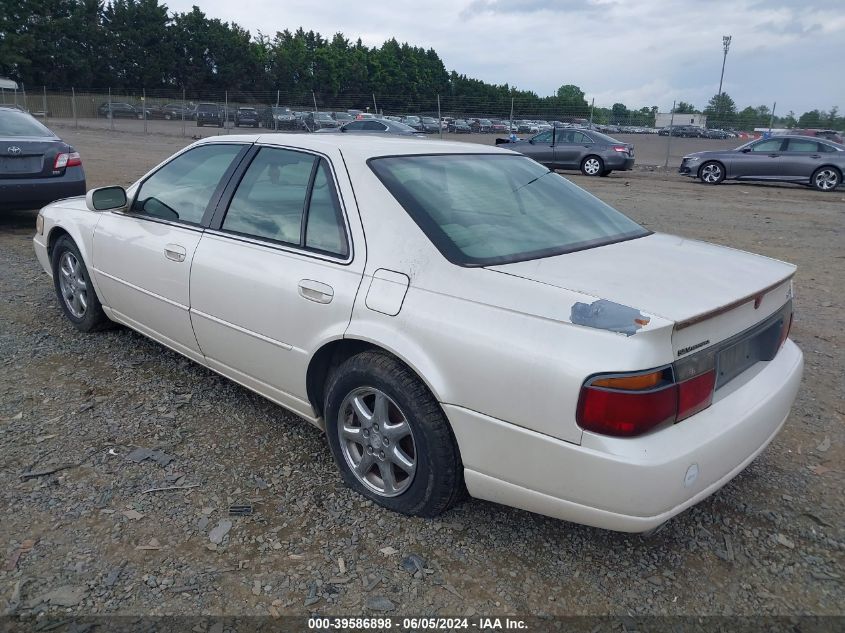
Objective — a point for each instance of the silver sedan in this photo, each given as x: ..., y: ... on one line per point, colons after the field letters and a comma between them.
x: 805, y: 160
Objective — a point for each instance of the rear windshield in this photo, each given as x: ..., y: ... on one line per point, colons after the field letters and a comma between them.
x: 486, y: 209
x: 14, y: 123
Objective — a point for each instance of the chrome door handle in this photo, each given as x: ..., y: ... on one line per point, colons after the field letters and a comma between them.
x: 175, y: 252
x: 316, y: 291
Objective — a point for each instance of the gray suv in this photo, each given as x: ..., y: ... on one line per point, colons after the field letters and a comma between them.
x: 805, y: 160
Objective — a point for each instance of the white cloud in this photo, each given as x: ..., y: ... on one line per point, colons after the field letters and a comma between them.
x: 638, y: 53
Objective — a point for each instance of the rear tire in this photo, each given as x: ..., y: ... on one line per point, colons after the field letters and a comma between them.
x: 390, y: 438
x: 826, y: 179
x: 74, y: 289
x: 712, y: 173
x: 592, y: 166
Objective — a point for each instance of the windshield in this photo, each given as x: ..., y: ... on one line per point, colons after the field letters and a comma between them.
x: 14, y: 123
x: 485, y: 209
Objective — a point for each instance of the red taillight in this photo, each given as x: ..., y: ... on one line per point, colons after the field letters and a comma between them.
x: 625, y: 413
x: 71, y: 159
x: 785, y: 330
x: 633, y: 404
x: 695, y: 394
x: 620, y: 148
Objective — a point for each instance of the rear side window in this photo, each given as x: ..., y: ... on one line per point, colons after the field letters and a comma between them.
x: 283, y: 192
x: 18, y: 124
x: 182, y: 189
x: 800, y: 145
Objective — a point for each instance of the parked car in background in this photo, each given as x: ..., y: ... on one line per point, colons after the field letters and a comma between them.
x: 119, y: 110
x: 498, y: 126
x: 685, y: 131
x: 714, y: 133
x: 374, y: 126
x: 459, y: 126
x: 342, y: 117
x: 414, y: 122
x: 279, y: 118
x: 209, y: 114
x: 36, y: 166
x: 429, y: 125
x: 313, y: 121
x: 481, y: 125
x: 830, y: 135
x: 805, y: 160
x: 177, y: 110
x: 594, y: 153
x: 526, y: 127
x: 247, y: 116
x: 368, y: 284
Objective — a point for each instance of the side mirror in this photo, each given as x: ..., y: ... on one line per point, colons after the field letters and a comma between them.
x: 106, y: 198
x: 531, y: 140
x: 745, y: 150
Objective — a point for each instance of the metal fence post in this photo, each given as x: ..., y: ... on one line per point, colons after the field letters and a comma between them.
x: 45, y: 103
x: 276, y: 113
x: 313, y: 96
x: 144, y: 107
x: 439, y: 118
x: 226, y: 111
x: 73, y: 106
x: 592, y: 107
x: 669, y: 141
x: 110, y: 113
x: 375, y: 106
x: 183, y: 111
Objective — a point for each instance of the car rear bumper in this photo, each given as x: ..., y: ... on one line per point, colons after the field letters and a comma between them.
x: 630, y: 484
x: 619, y: 162
x: 34, y: 193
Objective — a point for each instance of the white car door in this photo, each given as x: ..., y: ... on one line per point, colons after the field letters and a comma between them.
x: 276, y: 274
x: 142, y: 257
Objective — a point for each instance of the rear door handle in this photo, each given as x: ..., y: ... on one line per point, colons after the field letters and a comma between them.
x: 316, y: 291
x: 175, y: 252
x: 816, y: 156
x: 774, y: 155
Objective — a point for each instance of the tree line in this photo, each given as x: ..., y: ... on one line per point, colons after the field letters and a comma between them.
x: 133, y: 45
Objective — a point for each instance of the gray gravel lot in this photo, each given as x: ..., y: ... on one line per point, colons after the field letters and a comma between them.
x: 95, y: 537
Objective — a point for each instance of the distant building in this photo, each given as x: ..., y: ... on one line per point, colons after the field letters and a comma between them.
x: 664, y: 119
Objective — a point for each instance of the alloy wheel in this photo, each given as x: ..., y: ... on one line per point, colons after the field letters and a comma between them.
x: 73, y: 286
x: 377, y: 441
x: 826, y: 180
x: 711, y: 173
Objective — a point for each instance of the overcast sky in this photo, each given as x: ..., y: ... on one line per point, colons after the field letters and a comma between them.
x: 640, y: 53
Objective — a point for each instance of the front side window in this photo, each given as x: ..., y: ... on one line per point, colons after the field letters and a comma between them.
x: 481, y: 210
x: 544, y: 137
x: 182, y: 189
x: 771, y: 145
x: 279, y: 190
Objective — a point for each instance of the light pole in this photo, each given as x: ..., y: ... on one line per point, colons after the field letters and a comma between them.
x: 726, y: 45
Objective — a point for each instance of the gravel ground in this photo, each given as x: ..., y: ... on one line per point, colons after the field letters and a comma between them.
x: 115, y: 416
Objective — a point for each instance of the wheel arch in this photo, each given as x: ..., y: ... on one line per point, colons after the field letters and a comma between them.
x: 837, y: 168
x: 333, y: 353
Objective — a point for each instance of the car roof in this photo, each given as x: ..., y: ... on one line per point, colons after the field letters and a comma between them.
x: 363, y: 147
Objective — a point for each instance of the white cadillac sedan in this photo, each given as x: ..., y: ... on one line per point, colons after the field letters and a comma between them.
x: 455, y: 316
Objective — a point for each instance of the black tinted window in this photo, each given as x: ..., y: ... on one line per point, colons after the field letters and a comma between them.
x: 182, y: 189
x: 354, y: 126
x: 374, y: 126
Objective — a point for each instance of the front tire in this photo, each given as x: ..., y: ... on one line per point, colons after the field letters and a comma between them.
x: 826, y: 179
x: 74, y: 289
x: 712, y: 173
x: 390, y: 438
x: 592, y: 166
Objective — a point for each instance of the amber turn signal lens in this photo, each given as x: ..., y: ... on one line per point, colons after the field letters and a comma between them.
x: 631, y: 383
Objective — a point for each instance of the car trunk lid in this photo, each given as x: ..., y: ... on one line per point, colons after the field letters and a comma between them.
x: 712, y: 293
x: 28, y: 158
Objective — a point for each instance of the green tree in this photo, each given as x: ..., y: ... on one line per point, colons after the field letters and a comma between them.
x: 683, y: 107
x: 571, y: 101
x: 721, y: 111
x: 811, y: 119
